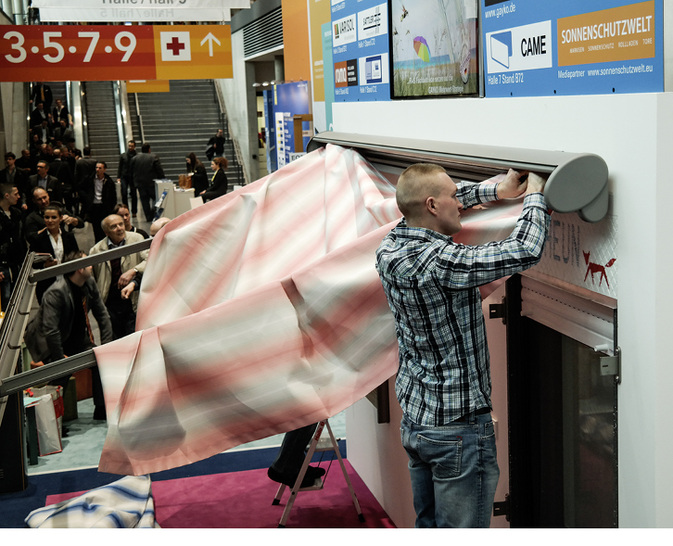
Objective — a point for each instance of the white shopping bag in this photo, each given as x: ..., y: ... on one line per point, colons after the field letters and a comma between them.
x: 48, y: 416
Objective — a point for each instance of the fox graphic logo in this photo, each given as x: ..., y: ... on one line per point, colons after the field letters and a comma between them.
x: 594, y: 268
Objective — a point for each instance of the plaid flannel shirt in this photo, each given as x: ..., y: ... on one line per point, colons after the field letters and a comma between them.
x: 431, y: 284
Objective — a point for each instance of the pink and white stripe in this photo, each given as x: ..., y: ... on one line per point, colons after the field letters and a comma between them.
x: 260, y: 312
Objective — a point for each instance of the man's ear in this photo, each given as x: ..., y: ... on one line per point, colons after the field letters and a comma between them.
x: 431, y: 206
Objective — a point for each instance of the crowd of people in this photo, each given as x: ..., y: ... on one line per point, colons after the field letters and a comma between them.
x: 52, y: 170
x: 51, y: 189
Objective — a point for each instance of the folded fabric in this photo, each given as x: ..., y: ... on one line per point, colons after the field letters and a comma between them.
x: 259, y: 312
x: 126, y: 503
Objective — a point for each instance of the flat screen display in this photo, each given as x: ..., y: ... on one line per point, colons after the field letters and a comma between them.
x: 433, y: 48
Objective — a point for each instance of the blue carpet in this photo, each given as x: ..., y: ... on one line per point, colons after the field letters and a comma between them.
x: 14, y: 507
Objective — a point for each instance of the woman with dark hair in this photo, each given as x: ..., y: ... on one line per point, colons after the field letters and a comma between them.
x: 54, y: 241
x: 197, y: 172
x: 218, y: 184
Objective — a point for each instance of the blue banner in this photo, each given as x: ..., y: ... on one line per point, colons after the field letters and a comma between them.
x: 281, y: 104
x: 360, y: 50
x: 574, y: 47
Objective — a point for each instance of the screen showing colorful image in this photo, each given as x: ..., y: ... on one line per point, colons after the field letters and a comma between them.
x: 434, y: 47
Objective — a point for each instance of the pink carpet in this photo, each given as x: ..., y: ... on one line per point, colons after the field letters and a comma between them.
x: 243, y: 500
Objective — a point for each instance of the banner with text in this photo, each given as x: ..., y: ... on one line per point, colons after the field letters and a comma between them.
x: 573, y: 47
x: 360, y: 47
x: 104, y: 53
x: 153, y: 11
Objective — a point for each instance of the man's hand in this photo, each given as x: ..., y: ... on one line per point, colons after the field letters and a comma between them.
x: 69, y: 220
x: 126, y: 278
x: 514, y: 185
x: 128, y: 290
x: 535, y: 183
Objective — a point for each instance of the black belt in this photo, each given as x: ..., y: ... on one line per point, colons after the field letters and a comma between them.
x: 465, y: 418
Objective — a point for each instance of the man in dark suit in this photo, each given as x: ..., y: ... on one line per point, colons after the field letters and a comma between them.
x: 98, y: 196
x: 39, y: 115
x: 47, y: 182
x: 60, y: 112
x: 145, y: 169
x: 61, y: 326
x: 26, y: 163
x: 34, y: 222
x: 61, y: 169
x: 85, y: 168
x: 216, y: 145
x: 42, y: 93
x: 15, y: 176
x: 124, y: 177
x: 12, y: 246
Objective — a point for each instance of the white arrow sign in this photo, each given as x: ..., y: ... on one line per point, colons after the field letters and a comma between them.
x: 210, y: 38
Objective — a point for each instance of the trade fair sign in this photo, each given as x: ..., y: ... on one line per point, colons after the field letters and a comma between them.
x: 360, y: 50
x: 281, y: 104
x: 152, y: 11
x: 573, y: 47
x: 105, y: 53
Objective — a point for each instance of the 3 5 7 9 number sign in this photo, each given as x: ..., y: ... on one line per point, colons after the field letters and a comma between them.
x: 86, y: 53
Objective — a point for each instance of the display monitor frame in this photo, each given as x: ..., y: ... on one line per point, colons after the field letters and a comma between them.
x: 434, y: 48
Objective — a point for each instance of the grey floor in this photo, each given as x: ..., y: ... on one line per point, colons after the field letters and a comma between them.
x: 84, y: 444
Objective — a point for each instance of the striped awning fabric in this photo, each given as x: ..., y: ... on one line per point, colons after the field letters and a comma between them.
x: 260, y: 312
x: 126, y: 503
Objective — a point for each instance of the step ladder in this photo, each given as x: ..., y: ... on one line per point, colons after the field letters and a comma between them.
x: 328, y: 444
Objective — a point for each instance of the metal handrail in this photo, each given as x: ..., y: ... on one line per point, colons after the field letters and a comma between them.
x: 121, y: 113
x: 14, y: 324
x: 85, y: 117
x: 16, y: 320
x: 140, y: 117
x: 86, y: 261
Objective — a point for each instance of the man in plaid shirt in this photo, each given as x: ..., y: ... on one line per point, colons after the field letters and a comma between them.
x: 443, y: 383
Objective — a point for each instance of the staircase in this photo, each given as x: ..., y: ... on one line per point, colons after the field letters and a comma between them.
x: 179, y: 122
x: 102, y: 124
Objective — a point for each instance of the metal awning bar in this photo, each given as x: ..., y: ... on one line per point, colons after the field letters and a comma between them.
x: 576, y: 181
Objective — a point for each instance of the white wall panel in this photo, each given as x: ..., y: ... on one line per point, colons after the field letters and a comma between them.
x: 634, y: 135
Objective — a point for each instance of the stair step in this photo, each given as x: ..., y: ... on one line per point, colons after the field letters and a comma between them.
x: 179, y: 122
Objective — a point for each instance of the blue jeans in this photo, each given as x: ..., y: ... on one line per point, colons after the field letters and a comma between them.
x: 454, y: 471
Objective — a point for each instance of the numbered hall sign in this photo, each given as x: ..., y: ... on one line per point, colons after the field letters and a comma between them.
x: 103, y: 53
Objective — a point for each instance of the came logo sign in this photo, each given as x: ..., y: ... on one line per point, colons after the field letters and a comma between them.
x: 527, y: 47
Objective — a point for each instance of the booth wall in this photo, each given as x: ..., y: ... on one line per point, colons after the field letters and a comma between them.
x: 634, y: 135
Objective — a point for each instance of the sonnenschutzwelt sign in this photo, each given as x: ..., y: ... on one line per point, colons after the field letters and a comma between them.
x: 573, y: 47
